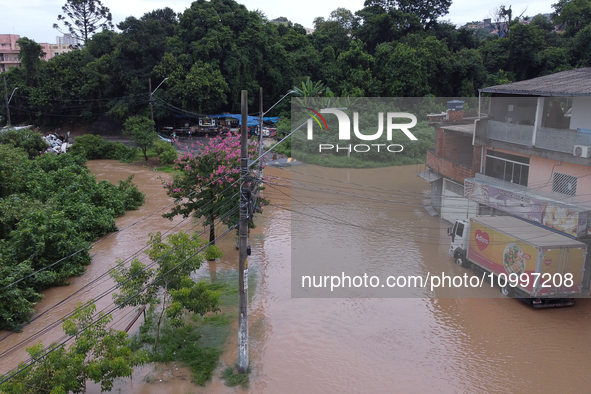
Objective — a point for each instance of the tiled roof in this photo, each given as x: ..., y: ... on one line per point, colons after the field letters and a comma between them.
x: 566, y: 83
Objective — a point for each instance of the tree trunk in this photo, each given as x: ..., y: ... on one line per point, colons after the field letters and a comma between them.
x: 160, y: 321
x: 212, y: 233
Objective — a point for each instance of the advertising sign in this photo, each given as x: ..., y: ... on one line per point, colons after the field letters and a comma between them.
x: 501, y: 253
x: 570, y: 220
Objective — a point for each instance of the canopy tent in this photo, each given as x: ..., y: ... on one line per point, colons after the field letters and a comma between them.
x: 252, y: 120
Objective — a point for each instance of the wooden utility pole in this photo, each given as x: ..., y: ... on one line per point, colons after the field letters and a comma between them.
x: 6, y: 100
x: 150, y: 98
x: 243, y: 242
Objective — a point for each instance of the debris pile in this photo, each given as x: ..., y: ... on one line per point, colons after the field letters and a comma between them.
x: 56, y: 143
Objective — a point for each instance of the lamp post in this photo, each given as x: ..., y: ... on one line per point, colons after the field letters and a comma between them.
x: 264, y: 113
x: 151, y: 94
x: 8, y: 101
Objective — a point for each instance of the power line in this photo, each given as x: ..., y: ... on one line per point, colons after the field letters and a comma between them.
x: 116, y: 307
x: 95, y: 299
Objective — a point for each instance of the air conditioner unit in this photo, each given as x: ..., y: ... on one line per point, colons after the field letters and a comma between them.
x: 582, y: 151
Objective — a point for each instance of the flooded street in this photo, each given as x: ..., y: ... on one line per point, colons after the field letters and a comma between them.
x: 460, y: 341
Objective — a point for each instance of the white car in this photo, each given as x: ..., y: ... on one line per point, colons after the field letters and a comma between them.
x: 165, y: 139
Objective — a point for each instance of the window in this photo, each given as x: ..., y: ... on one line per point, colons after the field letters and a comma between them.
x: 455, y: 188
x: 460, y: 230
x: 564, y: 184
x: 510, y: 168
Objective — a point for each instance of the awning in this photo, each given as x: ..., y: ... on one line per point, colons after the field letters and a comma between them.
x: 252, y: 120
x: 429, y: 175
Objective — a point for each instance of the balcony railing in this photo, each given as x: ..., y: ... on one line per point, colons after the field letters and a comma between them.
x: 510, y: 132
x: 561, y: 140
x: 556, y: 140
x: 448, y: 168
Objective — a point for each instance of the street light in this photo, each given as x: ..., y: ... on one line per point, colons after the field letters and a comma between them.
x: 263, y: 114
x: 280, y: 100
x: 158, y: 86
x: 12, y: 94
x: 151, y: 100
x: 8, y: 101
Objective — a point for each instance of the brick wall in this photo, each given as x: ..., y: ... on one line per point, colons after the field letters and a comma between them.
x: 455, y: 171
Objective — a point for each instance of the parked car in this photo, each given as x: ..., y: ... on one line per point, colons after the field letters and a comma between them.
x: 165, y: 139
x: 269, y: 132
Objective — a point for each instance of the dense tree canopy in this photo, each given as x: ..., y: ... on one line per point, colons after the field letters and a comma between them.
x: 214, y: 49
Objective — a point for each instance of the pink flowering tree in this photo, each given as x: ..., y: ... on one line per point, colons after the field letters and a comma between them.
x: 209, y: 185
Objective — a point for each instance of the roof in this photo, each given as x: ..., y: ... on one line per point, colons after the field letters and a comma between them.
x: 572, y: 83
x: 429, y: 175
x: 460, y: 128
x: 528, y: 232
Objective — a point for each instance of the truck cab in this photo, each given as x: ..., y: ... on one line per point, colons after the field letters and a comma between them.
x: 460, y: 239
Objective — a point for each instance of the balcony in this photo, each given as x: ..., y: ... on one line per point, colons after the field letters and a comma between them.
x: 448, y: 168
x: 509, y: 132
x: 546, y: 142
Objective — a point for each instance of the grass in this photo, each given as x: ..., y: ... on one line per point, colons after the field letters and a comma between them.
x: 200, y: 342
x: 353, y: 162
x: 167, y: 168
x: 234, y: 379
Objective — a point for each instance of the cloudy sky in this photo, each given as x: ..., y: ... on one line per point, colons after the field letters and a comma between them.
x: 34, y: 18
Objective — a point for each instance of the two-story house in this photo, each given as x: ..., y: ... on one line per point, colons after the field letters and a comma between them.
x: 535, y: 151
x: 528, y: 154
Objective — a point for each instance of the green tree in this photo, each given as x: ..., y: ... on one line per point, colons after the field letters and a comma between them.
x: 86, y: 17
x: 99, y: 354
x: 169, y: 282
x: 30, y: 55
x: 402, y: 70
x: 572, y: 15
x: 140, y: 130
x: 581, y: 47
x: 525, y: 42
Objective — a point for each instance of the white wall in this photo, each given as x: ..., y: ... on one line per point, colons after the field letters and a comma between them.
x: 581, y: 113
x: 455, y: 206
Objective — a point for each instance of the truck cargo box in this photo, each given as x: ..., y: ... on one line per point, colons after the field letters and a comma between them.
x: 505, y: 245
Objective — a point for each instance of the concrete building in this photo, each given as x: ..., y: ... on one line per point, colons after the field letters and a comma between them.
x: 528, y: 155
x: 9, y: 51
x: 66, y: 39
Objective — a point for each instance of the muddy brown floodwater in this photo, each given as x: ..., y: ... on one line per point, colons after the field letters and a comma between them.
x: 376, y: 345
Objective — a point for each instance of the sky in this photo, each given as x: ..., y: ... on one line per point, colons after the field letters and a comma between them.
x: 35, y: 18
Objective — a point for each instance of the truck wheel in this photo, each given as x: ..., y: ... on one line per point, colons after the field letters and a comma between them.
x: 460, y: 260
x: 507, y: 291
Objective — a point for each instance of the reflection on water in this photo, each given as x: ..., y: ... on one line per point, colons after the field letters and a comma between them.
x: 352, y: 345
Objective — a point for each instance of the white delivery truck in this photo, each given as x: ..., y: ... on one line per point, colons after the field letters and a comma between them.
x: 540, y: 267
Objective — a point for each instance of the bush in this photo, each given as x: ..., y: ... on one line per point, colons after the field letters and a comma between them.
x: 213, y: 252
x: 165, y: 152
x: 28, y: 140
x: 168, y: 157
x: 50, y: 208
x: 161, y: 146
x: 95, y: 147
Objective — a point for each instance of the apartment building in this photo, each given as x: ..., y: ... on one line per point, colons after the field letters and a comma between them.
x: 9, y: 50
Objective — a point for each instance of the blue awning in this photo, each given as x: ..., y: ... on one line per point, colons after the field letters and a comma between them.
x: 252, y: 120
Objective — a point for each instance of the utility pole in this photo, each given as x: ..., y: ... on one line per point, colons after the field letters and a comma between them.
x: 150, y: 98
x: 6, y: 100
x: 243, y: 242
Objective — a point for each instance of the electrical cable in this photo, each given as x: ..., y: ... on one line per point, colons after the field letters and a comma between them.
x: 116, y: 307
